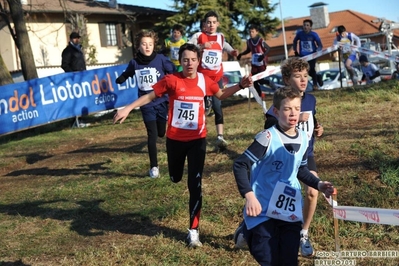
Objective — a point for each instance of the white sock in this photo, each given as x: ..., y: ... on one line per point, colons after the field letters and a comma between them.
x: 304, y: 232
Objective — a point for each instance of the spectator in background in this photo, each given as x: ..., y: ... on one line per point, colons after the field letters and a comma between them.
x: 259, y: 49
x: 72, y: 56
x: 309, y: 43
x: 172, y: 45
x: 348, y: 55
x: 371, y: 73
x: 73, y: 60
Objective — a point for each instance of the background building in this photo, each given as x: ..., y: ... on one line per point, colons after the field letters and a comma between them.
x: 107, y: 30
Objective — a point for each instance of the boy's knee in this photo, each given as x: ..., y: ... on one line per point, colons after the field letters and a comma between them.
x: 348, y: 65
x: 311, y: 193
x: 175, y: 179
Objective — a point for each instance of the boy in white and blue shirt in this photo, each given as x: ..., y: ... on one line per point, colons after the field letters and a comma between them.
x: 371, y: 73
x: 275, y: 161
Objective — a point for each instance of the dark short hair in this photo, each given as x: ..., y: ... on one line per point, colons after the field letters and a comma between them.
x: 284, y: 93
x: 254, y: 27
x: 341, y: 29
x: 211, y: 14
x: 190, y: 47
x: 310, y: 22
x: 178, y: 27
x: 363, y: 58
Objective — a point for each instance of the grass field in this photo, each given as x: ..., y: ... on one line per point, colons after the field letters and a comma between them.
x: 82, y: 196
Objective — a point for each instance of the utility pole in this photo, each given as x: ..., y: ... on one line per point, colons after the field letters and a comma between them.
x: 282, y: 25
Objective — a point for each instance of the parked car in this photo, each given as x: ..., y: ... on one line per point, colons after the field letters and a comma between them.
x: 231, y: 78
x: 332, y: 79
x: 232, y: 74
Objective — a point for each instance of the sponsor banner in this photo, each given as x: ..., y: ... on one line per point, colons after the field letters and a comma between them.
x: 367, y: 215
x: 49, y: 99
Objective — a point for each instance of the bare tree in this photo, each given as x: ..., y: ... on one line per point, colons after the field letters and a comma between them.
x: 22, y: 40
x: 5, y: 76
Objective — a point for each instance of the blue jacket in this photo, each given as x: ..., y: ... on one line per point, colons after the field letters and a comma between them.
x: 308, y: 43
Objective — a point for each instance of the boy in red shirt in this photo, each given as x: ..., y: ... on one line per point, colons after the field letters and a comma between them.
x: 186, y: 131
x: 212, y: 44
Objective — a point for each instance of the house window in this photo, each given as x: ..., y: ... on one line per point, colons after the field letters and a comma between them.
x: 110, y: 31
x: 111, y: 34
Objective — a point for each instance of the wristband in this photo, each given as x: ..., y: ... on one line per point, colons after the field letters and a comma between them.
x: 239, y: 85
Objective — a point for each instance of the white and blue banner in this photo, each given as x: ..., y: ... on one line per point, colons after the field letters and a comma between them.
x: 45, y: 100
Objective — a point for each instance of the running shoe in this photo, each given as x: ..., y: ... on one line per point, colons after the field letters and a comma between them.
x: 193, y: 238
x: 239, y: 240
x: 220, y: 142
x: 305, y: 246
x: 154, y: 172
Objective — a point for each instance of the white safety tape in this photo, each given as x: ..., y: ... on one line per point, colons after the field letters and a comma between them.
x: 258, y: 99
x: 367, y: 215
x: 364, y: 214
x: 320, y: 53
x: 330, y: 201
x: 265, y: 73
x: 371, y: 52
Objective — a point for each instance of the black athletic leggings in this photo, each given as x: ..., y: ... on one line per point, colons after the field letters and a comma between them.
x: 217, y: 107
x: 155, y: 129
x: 312, y: 71
x: 195, y: 151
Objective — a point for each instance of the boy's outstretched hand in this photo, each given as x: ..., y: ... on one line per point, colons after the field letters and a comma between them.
x: 326, y: 187
x: 121, y: 115
x: 246, y: 81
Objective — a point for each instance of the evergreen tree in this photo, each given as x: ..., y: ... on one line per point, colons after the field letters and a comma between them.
x: 234, y: 16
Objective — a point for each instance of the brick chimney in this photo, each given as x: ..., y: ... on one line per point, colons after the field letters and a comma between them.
x: 319, y: 15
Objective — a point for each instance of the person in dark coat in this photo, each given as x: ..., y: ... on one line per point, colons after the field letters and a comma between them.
x: 74, y: 60
x: 72, y: 56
